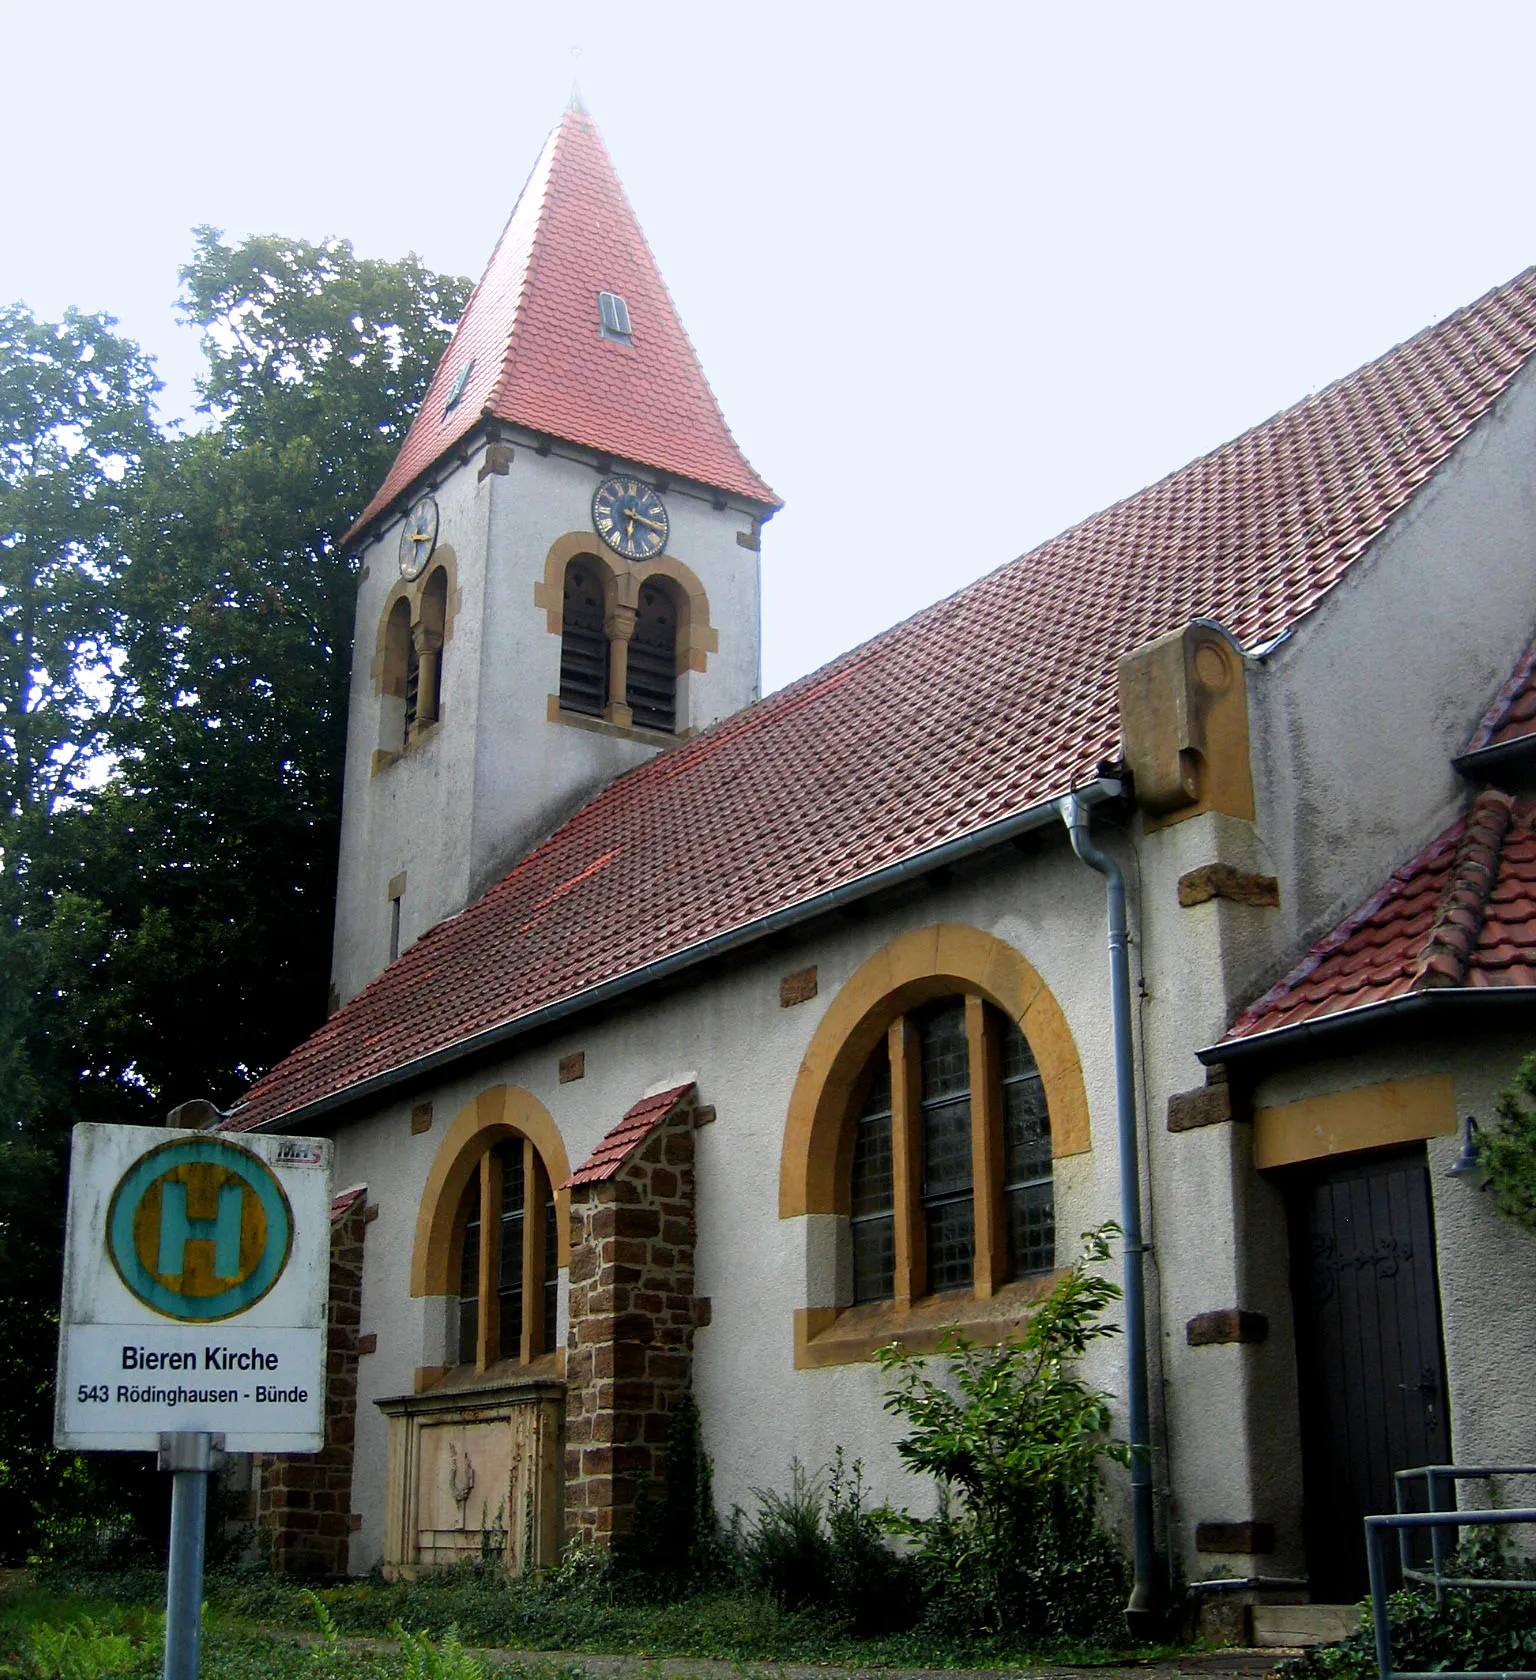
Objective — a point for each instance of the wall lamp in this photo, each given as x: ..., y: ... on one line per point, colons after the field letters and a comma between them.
x: 1467, y: 1163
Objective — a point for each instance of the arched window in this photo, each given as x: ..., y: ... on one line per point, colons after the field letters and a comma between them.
x: 950, y: 1100
x: 652, y: 693
x: 583, y: 641
x: 507, y: 1241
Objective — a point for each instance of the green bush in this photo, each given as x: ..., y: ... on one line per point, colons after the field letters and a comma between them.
x: 1476, y: 1630
x: 1016, y: 1442
x: 1507, y: 1152
x: 785, y: 1552
x: 818, y: 1547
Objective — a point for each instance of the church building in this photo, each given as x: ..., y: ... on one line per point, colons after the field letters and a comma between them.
x: 1181, y: 871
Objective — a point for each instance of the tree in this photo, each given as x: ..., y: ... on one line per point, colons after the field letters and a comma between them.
x: 75, y: 422
x: 175, y: 624
x: 75, y: 426
x: 237, y: 608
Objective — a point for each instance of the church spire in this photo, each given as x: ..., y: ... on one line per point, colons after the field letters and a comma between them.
x: 571, y: 333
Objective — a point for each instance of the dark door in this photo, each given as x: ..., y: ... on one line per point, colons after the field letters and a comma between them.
x: 1367, y: 1350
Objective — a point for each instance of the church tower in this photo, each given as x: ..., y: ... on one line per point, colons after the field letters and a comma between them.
x: 559, y: 575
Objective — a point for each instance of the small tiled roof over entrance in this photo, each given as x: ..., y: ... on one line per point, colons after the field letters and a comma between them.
x: 1461, y: 914
x: 983, y: 706
x: 530, y: 338
x: 625, y: 1138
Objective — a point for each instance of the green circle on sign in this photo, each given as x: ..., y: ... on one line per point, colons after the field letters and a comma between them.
x: 228, y: 1232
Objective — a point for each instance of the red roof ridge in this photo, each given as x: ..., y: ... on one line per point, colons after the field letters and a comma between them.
x: 1454, y: 935
x: 551, y: 146
x: 619, y: 1144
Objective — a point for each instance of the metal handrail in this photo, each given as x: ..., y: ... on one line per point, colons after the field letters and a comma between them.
x: 1375, y: 1553
x: 1435, y: 1477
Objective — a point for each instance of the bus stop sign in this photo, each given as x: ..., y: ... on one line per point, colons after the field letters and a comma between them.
x: 195, y: 1286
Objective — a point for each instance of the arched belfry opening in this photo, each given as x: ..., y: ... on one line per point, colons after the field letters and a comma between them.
x: 583, y: 641
x: 429, y: 648
x: 399, y: 667
x: 652, y: 694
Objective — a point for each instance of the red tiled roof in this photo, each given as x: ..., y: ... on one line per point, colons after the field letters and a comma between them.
x: 1462, y: 914
x: 1512, y: 717
x: 978, y: 708
x: 625, y: 1138
x: 531, y: 328
x: 340, y: 1205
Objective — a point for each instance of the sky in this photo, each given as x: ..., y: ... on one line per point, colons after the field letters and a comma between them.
x: 959, y: 274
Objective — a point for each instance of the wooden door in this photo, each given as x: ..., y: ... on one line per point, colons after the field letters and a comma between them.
x: 1368, y: 1351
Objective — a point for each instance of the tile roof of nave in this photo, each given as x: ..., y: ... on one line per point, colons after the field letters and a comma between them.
x: 988, y: 703
x: 531, y: 330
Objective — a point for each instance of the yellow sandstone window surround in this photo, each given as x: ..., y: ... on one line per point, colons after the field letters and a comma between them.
x: 492, y: 1232
x: 938, y: 1092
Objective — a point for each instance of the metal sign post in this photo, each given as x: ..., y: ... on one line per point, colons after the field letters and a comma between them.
x: 189, y: 1458
x: 196, y: 1279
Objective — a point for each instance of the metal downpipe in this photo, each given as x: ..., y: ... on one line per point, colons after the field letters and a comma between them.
x: 1140, y: 1612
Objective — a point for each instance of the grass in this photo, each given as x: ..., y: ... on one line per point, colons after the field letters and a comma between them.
x: 261, y: 1627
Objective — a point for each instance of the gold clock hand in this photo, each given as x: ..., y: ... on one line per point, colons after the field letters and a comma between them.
x: 655, y: 525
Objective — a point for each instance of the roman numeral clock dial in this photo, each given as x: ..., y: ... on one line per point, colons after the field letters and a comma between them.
x: 630, y: 517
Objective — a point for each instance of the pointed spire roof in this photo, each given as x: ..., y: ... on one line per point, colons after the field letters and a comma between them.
x: 531, y: 332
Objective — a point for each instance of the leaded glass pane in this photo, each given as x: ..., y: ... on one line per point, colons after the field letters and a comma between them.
x: 946, y: 1057
x: 871, y: 1181
x: 871, y: 1189
x: 1031, y: 1218
x: 1026, y: 1131
x: 874, y: 1258
x: 947, y: 1149
x: 1028, y: 1193
x: 551, y: 1267
x: 945, y: 1102
x: 951, y: 1245
x: 510, y: 1271
x: 469, y: 1272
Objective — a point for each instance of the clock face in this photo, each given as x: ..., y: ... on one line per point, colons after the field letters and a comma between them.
x: 418, y: 537
x: 630, y: 517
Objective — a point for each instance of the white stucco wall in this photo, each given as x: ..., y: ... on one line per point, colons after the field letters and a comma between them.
x: 729, y: 1030
x: 1357, y: 716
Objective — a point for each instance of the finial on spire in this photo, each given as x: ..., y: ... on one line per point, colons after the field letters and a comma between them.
x: 576, y: 104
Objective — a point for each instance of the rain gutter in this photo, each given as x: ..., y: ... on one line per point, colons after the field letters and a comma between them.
x: 1141, y: 1611
x: 1439, y: 1001
x: 960, y: 850
x: 1484, y: 763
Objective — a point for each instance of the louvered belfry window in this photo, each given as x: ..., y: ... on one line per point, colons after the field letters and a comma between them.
x: 653, y: 660
x: 934, y: 1118
x: 583, y: 643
